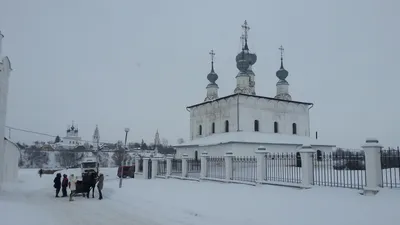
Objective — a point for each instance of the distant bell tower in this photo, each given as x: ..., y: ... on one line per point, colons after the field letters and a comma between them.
x: 282, y: 87
x: 156, y: 142
x: 96, y: 137
x: 245, y: 80
x: 212, y: 87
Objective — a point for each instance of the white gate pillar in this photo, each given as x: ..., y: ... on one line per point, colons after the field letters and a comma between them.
x: 307, y: 168
x: 373, y: 167
x: 228, y: 165
x: 154, y: 167
x: 146, y: 168
x: 261, y: 152
x: 185, y: 165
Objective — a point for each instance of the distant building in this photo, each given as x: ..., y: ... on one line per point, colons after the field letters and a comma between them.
x: 242, y: 121
x: 72, y: 138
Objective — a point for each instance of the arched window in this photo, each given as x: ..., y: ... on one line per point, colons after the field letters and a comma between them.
x: 294, y: 128
x: 213, y: 128
x: 196, y: 155
x: 256, y: 128
x: 276, y: 128
x: 200, y: 130
x: 226, y: 126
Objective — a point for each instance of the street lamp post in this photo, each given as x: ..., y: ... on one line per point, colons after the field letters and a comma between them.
x: 123, y: 158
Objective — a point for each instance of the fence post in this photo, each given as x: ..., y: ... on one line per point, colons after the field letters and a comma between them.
x: 136, y: 164
x: 307, y: 168
x: 185, y: 165
x: 169, y: 166
x: 228, y: 165
x: 373, y: 167
x: 154, y: 167
x: 146, y: 168
x: 203, y: 171
x: 261, y: 152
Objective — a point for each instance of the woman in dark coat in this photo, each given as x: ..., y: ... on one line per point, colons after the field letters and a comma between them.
x: 64, y: 185
x: 100, y: 185
x: 57, y: 183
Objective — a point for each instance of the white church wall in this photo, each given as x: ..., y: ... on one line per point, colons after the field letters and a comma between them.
x: 9, y: 167
x: 214, y: 112
x: 266, y: 111
x: 269, y: 111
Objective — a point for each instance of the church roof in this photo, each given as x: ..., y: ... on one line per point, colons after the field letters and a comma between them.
x: 255, y: 138
x: 255, y: 96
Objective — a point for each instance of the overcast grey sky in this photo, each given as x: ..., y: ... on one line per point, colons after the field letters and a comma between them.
x: 138, y: 64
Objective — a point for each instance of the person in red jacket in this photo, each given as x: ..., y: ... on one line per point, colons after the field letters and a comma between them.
x: 64, y: 185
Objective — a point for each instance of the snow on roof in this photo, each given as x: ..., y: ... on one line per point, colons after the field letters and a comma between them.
x: 254, y: 137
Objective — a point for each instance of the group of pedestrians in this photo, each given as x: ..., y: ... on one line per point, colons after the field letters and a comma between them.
x: 70, y: 182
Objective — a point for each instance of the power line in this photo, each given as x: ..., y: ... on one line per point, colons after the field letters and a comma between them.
x: 29, y: 131
x: 49, y: 135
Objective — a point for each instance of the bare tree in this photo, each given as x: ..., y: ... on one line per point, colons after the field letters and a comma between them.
x: 180, y: 141
x: 164, y: 142
x: 120, y: 155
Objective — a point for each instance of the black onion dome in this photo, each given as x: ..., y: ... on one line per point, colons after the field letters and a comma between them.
x: 212, y: 76
x: 242, y: 65
x: 251, y: 57
x: 282, y: 73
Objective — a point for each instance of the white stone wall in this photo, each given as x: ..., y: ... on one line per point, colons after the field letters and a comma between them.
x: 217, y: 112
x: 269, y: 111
x: 9, y: 167
x: 266, y: 111
x: 242, y: 149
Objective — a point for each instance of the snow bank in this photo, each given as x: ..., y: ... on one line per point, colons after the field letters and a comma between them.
x: 172, y: 202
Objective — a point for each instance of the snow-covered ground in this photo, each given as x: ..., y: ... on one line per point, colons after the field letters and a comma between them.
x: 173, y: 202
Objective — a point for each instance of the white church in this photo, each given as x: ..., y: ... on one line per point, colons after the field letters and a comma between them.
x: 242, y: 121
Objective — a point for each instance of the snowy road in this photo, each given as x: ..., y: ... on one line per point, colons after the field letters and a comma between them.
x: 33, y: 201
x: 176, y: 202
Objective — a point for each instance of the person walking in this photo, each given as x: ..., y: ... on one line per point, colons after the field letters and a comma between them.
x: 100, y: 185
x: 40, y: 172
x: 64, y: 185
x: 72, y: 186
x: 57, y: 184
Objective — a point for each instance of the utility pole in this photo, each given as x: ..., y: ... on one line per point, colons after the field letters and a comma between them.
x: 123, y: 158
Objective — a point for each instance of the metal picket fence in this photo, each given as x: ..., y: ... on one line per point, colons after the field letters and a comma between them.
x: 216, y: 167
x: 340, y: 169
x: 244, y: 168
x: 283, y: 167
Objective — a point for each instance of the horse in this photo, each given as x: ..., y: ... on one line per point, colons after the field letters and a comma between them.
x: 89, y: 181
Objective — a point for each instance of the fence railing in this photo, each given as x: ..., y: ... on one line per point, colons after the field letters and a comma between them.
x: 216, y: 167
x: 176, y: 167
x: 283, y: 167
x: 347, y: 169
x: 244, y: 168
x: 390, y: 162
x: 194, y: 168
x: 162, y: 167
x: 339, y: 169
